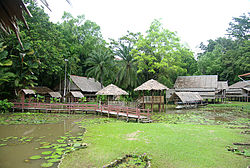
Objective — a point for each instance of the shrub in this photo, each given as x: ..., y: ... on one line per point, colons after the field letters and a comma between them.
x: 5, y: 105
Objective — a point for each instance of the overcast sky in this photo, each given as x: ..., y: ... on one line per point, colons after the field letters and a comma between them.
x: 195, y: 21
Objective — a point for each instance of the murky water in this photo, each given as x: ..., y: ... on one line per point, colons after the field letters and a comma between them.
x: 14, y: 156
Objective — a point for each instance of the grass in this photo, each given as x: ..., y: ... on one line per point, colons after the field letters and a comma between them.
x: 170, y: 145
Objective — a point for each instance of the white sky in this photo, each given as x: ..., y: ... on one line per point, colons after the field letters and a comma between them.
x: 195, y: 21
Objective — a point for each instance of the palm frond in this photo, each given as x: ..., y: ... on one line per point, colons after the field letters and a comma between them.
x: 13, y: 10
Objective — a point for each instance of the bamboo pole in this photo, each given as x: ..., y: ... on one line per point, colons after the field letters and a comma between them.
x: 160, y: 101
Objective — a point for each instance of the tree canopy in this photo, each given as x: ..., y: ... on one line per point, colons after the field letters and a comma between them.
x: 127, y: 62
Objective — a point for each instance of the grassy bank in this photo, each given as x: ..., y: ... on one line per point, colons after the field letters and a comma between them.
x: 170, y: 145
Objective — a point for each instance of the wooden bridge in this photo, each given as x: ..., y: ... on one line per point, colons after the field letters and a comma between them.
x: 142, y: 115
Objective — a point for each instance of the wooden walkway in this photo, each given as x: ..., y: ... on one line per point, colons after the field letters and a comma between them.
x: 109, y: 110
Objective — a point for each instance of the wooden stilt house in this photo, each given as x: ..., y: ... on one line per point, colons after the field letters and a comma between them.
x: 112, y: 92
x: 154, y: 87
x: 205, y: 85
x: 239, y: 91
x: 186, y: 99
x: 87, y: 86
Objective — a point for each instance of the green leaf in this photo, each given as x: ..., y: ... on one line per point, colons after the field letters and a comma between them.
x: 35, y: 157
x: 47, y: 152
x: 50, y: 164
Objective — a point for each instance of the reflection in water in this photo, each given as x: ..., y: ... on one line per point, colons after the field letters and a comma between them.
x: 13, y: 156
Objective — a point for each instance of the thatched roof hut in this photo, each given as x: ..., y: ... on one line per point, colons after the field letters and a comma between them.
x: 239, y: 90
x: 222, y: 85
x: 186, y: 97
x: 240, y: 84
x: 55, y: 94
x: 88, y: 86
x: 41, y: 90
x: 85, y: 84
x: 73, y: 96
x: 27, y: 91
x: 205, y: 85
x: 111, y: 90
x: 196, y: 82
x: 151, y: 85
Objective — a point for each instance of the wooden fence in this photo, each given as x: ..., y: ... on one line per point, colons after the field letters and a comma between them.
x: 118, y: 111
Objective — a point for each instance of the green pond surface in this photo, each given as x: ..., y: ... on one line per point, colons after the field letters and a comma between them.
x: 14, y: 154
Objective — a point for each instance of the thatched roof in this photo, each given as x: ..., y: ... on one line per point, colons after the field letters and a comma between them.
x: 86, y: 84
x: 112, y: 90
x: 247, y: 89
x: 187, y: 97
x: 202, y: 81
x: 240, y: 84
x: 151, y: 85
x: 222, y: 85
x: 41, y: 90
x: 75, y: 94
x: 12, y: 11
x: 27, y: 91
x: 55, y: 94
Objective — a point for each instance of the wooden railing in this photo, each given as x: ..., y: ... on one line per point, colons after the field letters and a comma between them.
x: 109, y: 109
x: 154, y: 99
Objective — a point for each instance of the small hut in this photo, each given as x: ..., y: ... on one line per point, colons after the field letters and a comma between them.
x: 55, y: 95
x: 26, y: 94
x: 186, y: 99
x: 154, y: 87
x: 42, y: 91
x: 114, y: 91
x: 73, y: 97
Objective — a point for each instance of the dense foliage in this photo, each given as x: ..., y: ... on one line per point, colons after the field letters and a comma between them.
x: 229, y: 56
x: 78, y: 45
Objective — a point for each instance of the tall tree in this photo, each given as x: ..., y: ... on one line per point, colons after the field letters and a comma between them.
x: 99, y: 63
x: 159, y: 54
x: 227, y: 57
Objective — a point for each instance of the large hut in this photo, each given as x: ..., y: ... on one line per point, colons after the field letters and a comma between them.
x: 87, y: 86
x: 112, y: 91
x: 205, y: 85
x: 239, y: 91
x: 154, y: 87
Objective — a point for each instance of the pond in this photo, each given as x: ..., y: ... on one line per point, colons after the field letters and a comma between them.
x: 16, y: 154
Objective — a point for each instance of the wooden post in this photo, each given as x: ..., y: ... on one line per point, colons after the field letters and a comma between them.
x: 127, y: 113
x: 138, y: 114
x: 143, y: 104
x: 117, y: 112
x: 148, y: 114
x: 160, y: 101
x: 152, y: 101
x: 108, y: 111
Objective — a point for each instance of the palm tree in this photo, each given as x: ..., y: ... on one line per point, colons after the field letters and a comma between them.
x: 127, y: 74
x: 100, y: 63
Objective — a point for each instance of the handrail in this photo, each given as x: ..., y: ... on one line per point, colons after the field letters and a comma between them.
x: 71, y: 107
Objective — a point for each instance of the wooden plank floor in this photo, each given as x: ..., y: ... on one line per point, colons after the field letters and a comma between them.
x: 117, y: 111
